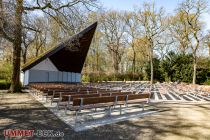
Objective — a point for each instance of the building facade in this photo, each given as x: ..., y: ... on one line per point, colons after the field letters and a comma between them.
x: 63, y: 63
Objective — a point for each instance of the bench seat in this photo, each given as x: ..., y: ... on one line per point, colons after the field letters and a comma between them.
x: 78, y: 108
x: 137, y: 101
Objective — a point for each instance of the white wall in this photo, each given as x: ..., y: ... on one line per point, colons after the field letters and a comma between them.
x: 73, y: 77
x: 53, y: 76
x: 45, y: 71
x: 78, y: 77
x: 45, y: 65
x: 21, y: 77
x: 26, y: 78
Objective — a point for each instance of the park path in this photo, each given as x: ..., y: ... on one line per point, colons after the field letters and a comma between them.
x: 184, y: 120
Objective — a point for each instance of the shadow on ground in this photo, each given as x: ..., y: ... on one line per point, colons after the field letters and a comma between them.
x: 174, y: 121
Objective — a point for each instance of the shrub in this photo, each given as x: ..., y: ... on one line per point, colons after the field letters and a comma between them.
x: 207, y: 82
x: 4, y: 84
x: 176, y: 67
x: 5, y: 71
x: 85, y: 78
x: 98, y: 77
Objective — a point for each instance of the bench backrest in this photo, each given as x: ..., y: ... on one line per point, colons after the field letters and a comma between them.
x: 121, y: 93
x: 93, y: 100
x: 71, y: 97
x: 84, y: 96
x: 107, y: 99
x: 57, y: 94
x: 139, y: 96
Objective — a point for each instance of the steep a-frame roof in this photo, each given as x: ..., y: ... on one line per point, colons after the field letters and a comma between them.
x: 69, y: 55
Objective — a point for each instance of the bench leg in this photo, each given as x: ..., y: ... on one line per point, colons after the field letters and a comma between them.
x: 76, y: 118
x: 66, y: 110
x: 57, y: 106
x: 143, y: 107
x: 40, y: 96
x: 109, y: 111
x: 120, y: 109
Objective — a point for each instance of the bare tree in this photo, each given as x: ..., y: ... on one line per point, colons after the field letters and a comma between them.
x: 193, y: 10
x: 27, y: 41
x: 11, y: 25
x: 142, y: 52
x: 40, y: 36
x: 207, y: 41
x: 113, y: 29
x: 132, y: 31
x: 179, y: 30
x: 6, y: 50
x: 152, y: 24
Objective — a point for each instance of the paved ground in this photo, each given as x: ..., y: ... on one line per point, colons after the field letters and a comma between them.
x: 174, y: 96
x: 174, y: 121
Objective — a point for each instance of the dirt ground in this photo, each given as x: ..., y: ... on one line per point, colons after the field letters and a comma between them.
x: 175, y: 121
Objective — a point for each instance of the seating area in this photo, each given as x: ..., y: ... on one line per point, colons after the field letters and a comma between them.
x: 75, y: 99
x: 79, y: 104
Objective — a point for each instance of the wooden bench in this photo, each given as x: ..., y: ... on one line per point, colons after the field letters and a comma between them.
x: 92, y: 102
x: 67, y: 98
x: 50, y: 95
x: 56, y: 96
x: 107, y: 101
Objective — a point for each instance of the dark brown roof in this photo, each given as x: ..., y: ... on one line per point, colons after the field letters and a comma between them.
x: 70, y: 55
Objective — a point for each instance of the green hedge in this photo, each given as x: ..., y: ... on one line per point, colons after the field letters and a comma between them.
x: 207, y: 82
x: 4, y: 85
x: 94, y: 77
x: 5, y: 71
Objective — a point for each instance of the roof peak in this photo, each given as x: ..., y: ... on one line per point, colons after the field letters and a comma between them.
x: 59, y: 47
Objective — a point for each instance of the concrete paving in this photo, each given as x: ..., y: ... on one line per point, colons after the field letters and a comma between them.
x: 173, y: 121
x: 88, y: 119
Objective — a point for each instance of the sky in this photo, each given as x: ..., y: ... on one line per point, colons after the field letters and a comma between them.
x: 169, y: 5
x: 128, y: 5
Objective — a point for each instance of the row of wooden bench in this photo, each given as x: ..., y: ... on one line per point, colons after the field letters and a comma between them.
x: 79, y: 101
x: 53, y: 86
x: 58, y: 93
x: 66, y: 98
x: 79, y: 104
x: 195, y: 89
x: 80, y: 97
x: 50, y: 86
x: 76, y: 90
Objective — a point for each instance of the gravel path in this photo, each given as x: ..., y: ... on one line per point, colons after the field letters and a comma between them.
x: 174, y: 121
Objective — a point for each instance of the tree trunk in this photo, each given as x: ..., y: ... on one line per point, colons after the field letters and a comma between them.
x: 194, y: 70
x: 37, y: 52
x: 209, y: 50
x: 15, y: 82
x: 24, y: 55
x: 115, y: 63
x: 134, y: 62
x: 97, y: 58
x: 151, y: 66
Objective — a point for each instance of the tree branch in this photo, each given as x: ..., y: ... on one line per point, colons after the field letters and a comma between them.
x: 50, y: 6
x: 4, y: 35
x: 32, y: 29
